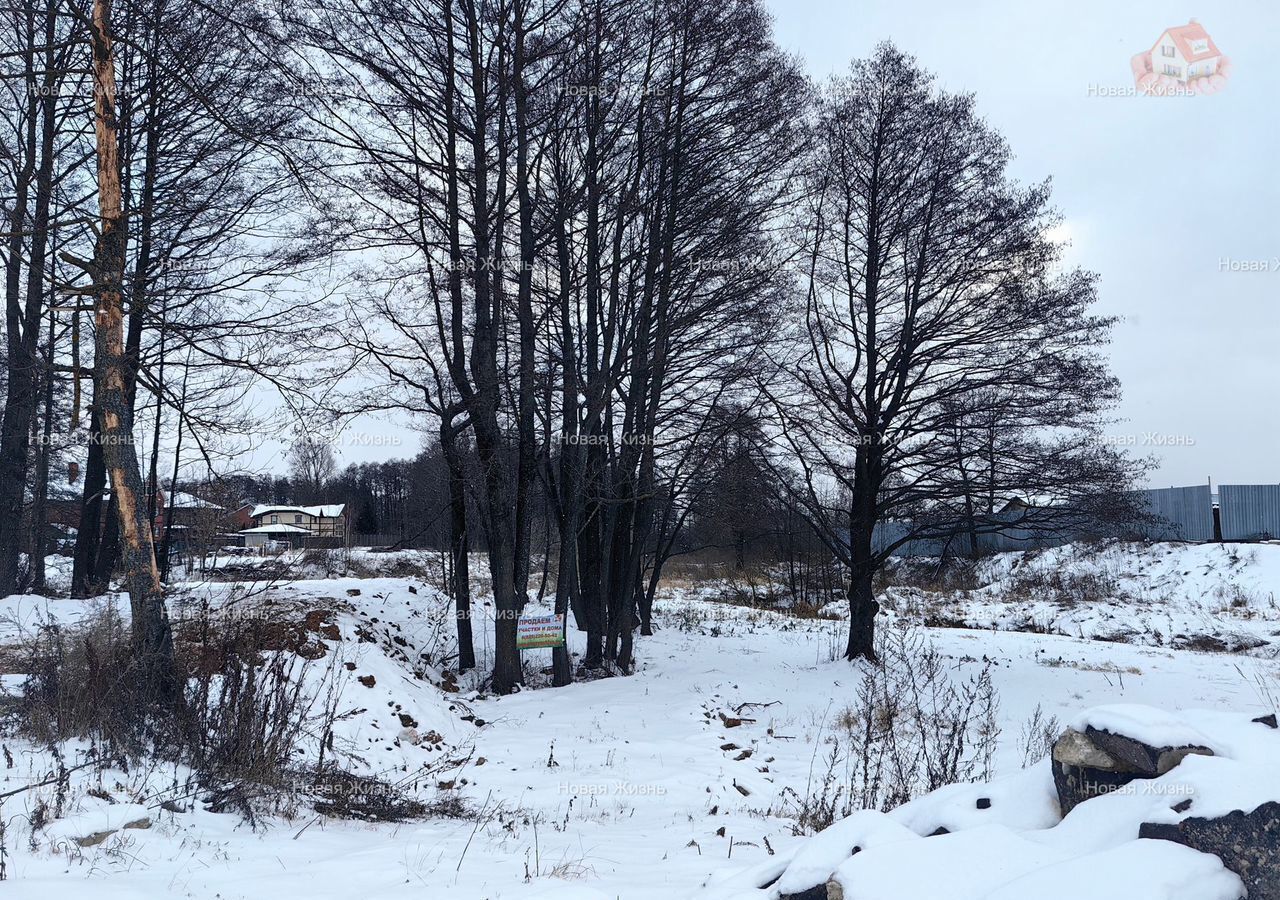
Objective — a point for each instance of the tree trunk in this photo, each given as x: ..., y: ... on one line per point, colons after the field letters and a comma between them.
x: 485, y: 397
x: 459, y: 544
x: 166, y: 540
x: 862, y: 602
x: 571, y: 487
x: 40, y: 495
x: 22, y: 332
x: 89, y: 531
x: 525, y: 425
x: 566, y: 572
x: 589, y: 601
x: 152, y: 640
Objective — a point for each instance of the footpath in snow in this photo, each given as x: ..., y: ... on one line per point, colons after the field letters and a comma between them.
x: 687, y: 780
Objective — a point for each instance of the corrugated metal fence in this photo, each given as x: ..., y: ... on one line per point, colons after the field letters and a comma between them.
x: 959, y: 544
x: 1248, y: 512
x: 1186, y: 513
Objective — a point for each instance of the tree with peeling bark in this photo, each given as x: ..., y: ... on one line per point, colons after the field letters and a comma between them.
x: 152, y: 639
x: 208, y: 298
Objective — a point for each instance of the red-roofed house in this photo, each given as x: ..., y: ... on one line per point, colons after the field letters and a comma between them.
x: 1185, y: 52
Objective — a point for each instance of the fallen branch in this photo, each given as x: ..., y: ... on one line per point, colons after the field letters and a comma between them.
x: 740, y: 707
x: 53, y: 779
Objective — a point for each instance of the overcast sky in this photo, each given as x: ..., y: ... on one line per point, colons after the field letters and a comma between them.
x: 1157, y: 193
x: 1161, y: 196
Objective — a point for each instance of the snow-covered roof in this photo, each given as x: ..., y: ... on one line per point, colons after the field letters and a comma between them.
x: 322, y: 511
x: 183, y: 500
x: 275, y: 529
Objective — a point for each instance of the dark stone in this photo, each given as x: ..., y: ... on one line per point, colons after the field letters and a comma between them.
x: 1142, y: 758
x: 984, y: 803
x: 1082, y: 770
x: 829, y: 891
x: 1269, y: 720
x: 1090, y: 763
x: 817, y: 892
x: 1247, y: 843
x: 1076, y: 784
x: 939, y: 831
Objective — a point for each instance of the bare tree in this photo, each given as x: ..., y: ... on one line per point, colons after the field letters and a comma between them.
x: 203, y: 141
x: 311, y: 466
x: 930, y: 306
x: 40, y: 39
x: 152, y: 639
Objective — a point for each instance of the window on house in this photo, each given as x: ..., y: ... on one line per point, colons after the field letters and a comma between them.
x: 297, y: 520
x: 275, y: 520
x: 1167, y: 50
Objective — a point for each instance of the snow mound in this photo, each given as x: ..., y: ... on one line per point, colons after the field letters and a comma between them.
x: 379, y: 653
x: 1153, y: 727
x: 1141, y: 870
x: 1203, y: 597
x: 966, y: 865
x: 1006, y: 840
x: 819, y: 856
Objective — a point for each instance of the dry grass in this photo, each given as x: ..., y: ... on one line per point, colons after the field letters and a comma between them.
x: 1105, y: 668
x: 911, y: 729
x: 259, y: 695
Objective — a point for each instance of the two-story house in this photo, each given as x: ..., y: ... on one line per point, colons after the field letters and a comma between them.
x: 296, y: 525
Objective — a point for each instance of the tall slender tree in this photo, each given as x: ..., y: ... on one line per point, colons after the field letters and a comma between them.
x: 152, y: 638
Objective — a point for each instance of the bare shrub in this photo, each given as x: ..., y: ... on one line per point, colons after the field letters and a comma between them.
x: 329, y: 562
x: 1039, y: 734
x: 1065, y: 586
x: 936, y: 575
x: 1265, y: 685
x: 345, y: 795
x: 912, y: 729
x: 801, y: 610
x: 254, y: 696
x: 422, y: 564
x: 79, y: 684
x: 257, y: 698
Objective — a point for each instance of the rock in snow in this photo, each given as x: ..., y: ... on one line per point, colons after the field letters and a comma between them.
x: 1248, y: 843
x: 1093, y: 762
x: 1153, y: 806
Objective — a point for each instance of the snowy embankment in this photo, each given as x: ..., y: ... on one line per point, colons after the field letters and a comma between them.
x: 1183, y: 596
x: 693, y: 772
x: 1007, y: 839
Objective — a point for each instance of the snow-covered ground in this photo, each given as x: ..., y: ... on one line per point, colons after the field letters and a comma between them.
x: 1184, y: 596
x: 634, y: 788
x: 1005, y: 839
